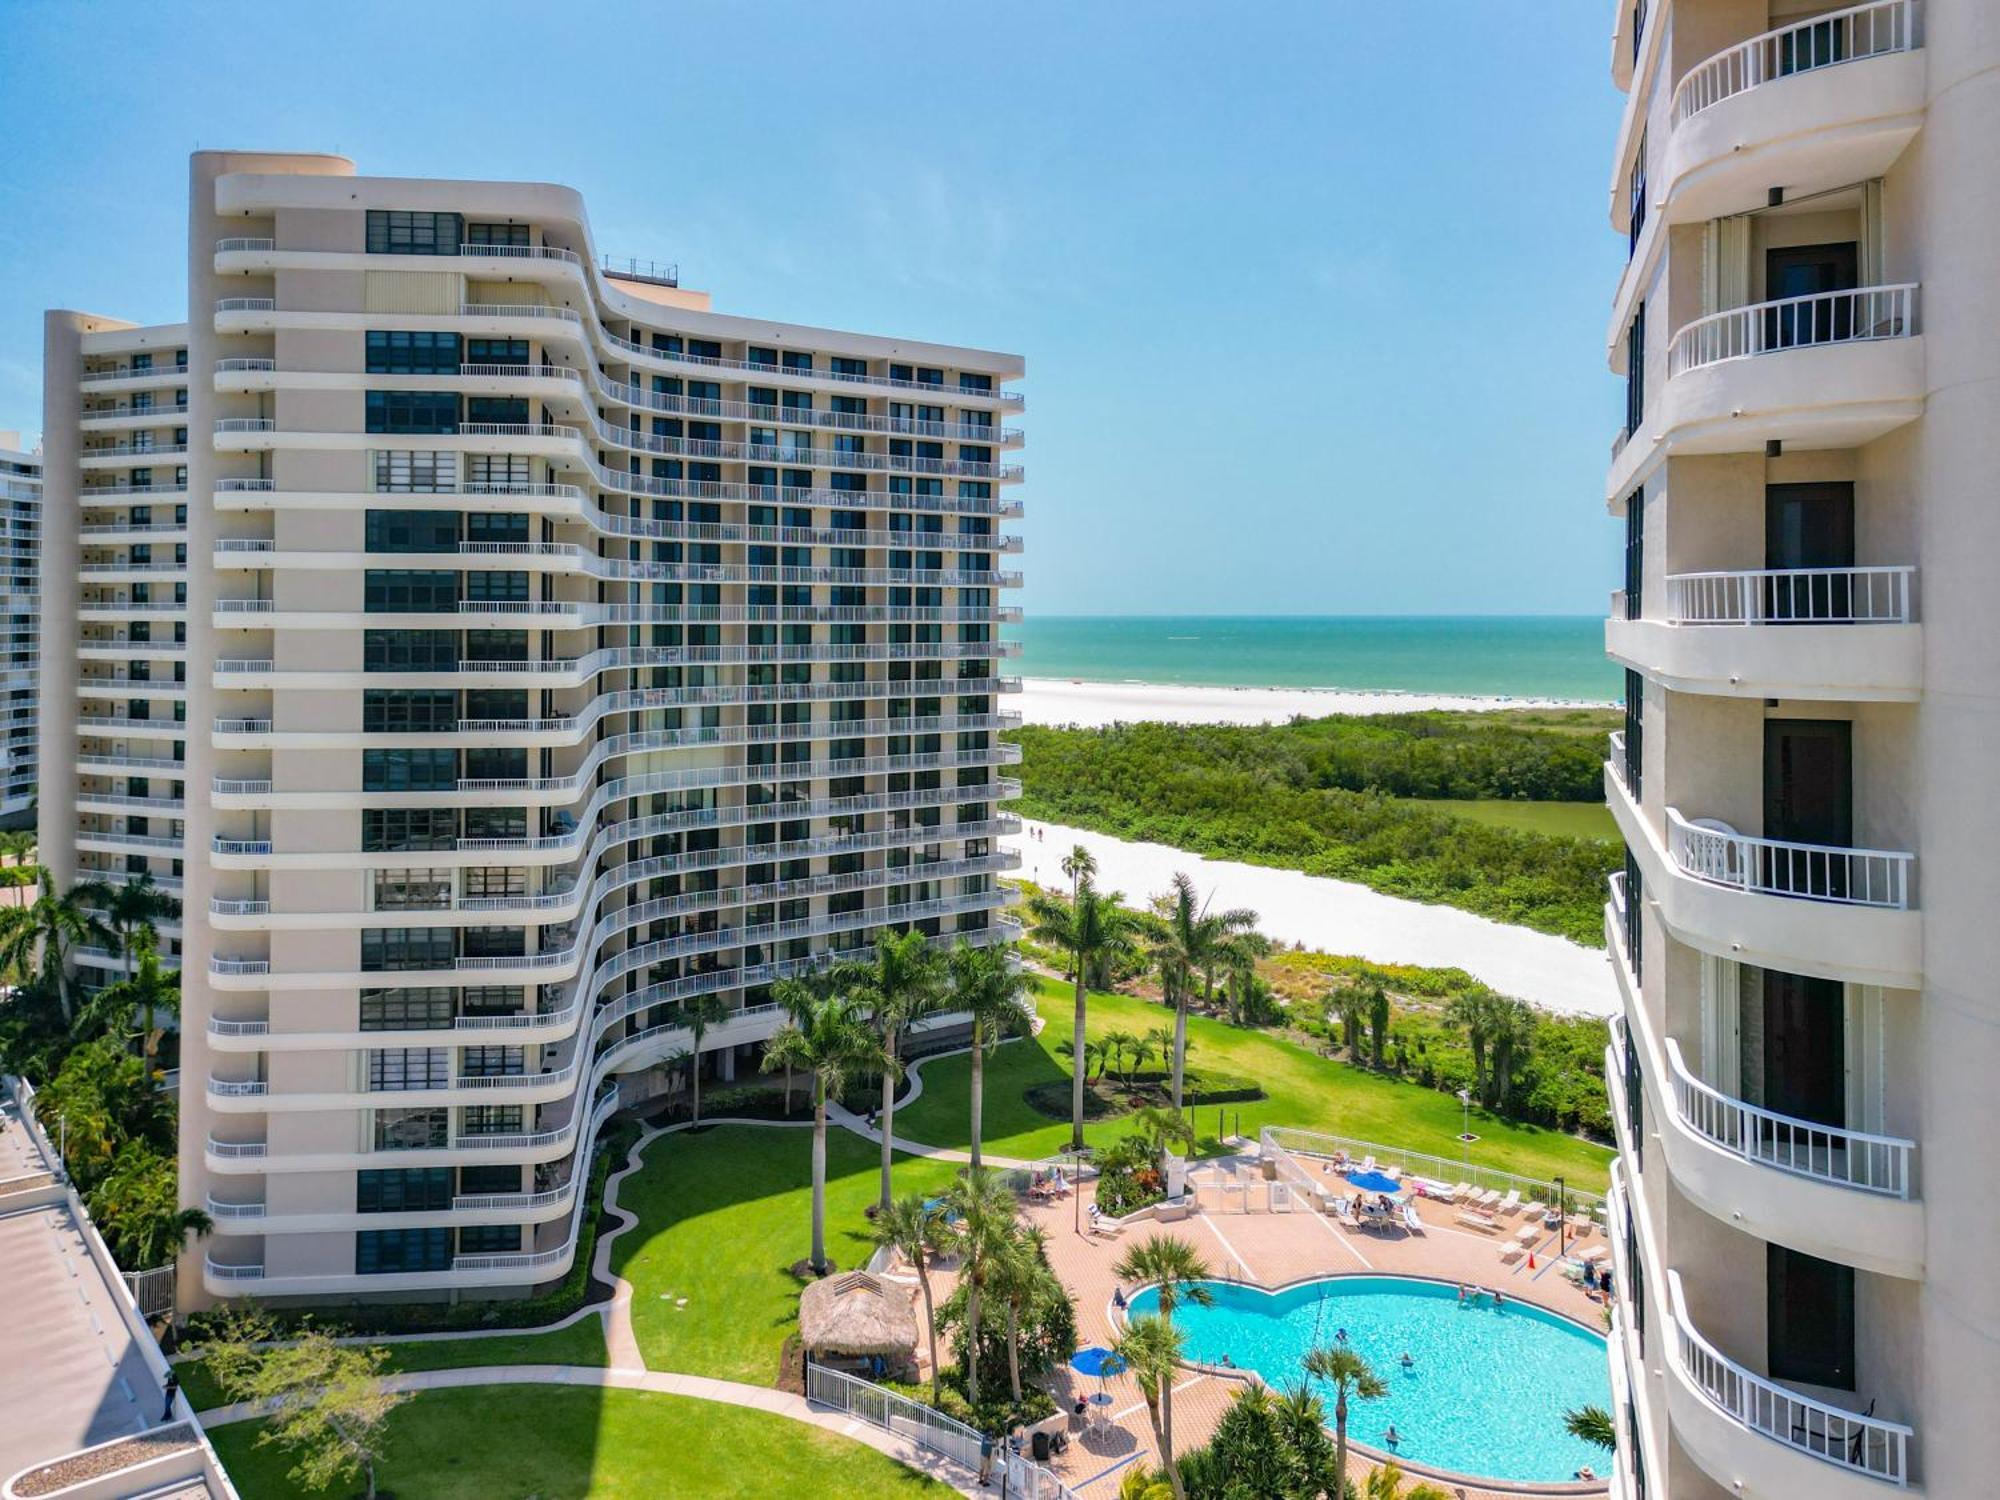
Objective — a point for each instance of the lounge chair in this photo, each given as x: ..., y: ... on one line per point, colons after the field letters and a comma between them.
x: 1463, y: 1190
x: 1479, y: 1221
x: 1343, y: 1210
x: 1484, y: 1201
x: 1511, y: 1253
x: 1593, y: 1255
x: 1510, y: 1204
x: 1534, y: 1209
x: 1368, y: 1164
x: 1411, y: 1219
x: 1394, y: 1174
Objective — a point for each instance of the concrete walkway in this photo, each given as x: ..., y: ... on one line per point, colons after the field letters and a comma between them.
x: 847, y: 1119
x: 664, y: 1383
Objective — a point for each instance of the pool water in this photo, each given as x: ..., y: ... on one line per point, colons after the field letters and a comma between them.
x: 1484, y: 1394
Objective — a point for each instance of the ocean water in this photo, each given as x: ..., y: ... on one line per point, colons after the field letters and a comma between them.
x: 1500, y: 656
x: 1484, y: 1392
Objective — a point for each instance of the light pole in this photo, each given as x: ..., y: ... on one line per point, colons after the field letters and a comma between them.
x: 1562, y: 1219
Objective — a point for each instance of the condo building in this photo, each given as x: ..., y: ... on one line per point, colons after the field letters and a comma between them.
x: 1805, y: 1205
x: 21, y: 493
x: 533, y: 650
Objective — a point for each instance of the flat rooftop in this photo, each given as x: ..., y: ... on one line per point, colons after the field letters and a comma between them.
x: 72, y: 1373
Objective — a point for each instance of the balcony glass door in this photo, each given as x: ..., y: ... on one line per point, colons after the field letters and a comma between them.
x: 1808, y: 526
x: 1808, y: 800
x: 1805, y: 1048
x: 1798, y: 278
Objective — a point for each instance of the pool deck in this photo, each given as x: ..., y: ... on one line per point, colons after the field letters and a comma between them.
x: 1270, y: 1249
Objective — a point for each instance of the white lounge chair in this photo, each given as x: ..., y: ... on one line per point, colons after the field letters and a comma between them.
x: 1511, y: 1253
x: 1368, y: 1164
x: 1509, y: 1204
x: 1484, y: 1201
x: 1479, y: 1221
x: 1411, y: 1220
x: 1593, y: 1255
x: 1394, y: 1174
x: 1463, y: 1190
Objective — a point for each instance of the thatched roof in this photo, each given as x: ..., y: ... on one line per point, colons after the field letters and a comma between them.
x: 856, y: 1313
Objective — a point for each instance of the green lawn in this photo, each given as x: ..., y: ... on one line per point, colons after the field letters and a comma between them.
x: 1302, y: 1088
x: 582, y: 1343
x: 724, y: 1214
x: 567, y: 1442
x: 1570, y: 820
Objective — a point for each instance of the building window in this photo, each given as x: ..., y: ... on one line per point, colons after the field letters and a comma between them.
x: 395, y: 1068
x: 496, y: 822
x: 508, y: 470
x: 411, y: 1129
x: 1635, y: 198
x: 410, y: 650
x: 412, y: 890
x: 497, y: 352
x: 407, y: 829
x: 408, y: 711
x: 492, y: 1000
x: 1635, y: 553
x: 403, y: 1190
x: 417, y: 472
x: 410, y: 591
x: 505, y: 411
x: 1635, y: 371
x: 490, y: 1119
x: 1809, y: 1312
x: 1635, y: 731
x: 489, y: 1239
x: 490, y: 527
x: 496, y: 645
x: 1635, y: 906
x: 501, y: 588
x: 409, y: 770
x: 410, y: 530
x: 497, y: 234
x: 412, y: 411
x: 428, y: 1009
x: 389, y: 948
x: 491, y: 1062
x: 401, y: 232
x: 388, y: 1252
x: 406, y: 352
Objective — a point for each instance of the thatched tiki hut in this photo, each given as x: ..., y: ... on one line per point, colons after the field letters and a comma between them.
x: 859, y: 1321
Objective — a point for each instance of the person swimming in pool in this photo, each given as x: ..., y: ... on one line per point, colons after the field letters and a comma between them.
x: 1392, y: 1437
x: 1340, y: 1336
x: 1407, y: 1362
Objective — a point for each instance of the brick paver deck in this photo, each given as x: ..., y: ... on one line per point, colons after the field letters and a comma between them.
x: 1249, y: 1242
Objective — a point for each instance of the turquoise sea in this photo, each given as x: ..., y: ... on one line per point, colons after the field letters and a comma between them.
x: 1499, y: 656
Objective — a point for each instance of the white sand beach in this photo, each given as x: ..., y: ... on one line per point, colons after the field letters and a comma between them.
x: 1091, y: 705
x: 1338, y: 916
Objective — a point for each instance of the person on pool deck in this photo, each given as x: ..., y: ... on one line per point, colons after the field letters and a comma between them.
x: 1118, y: 1298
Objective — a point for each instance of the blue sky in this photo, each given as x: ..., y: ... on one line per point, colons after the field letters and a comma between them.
x: 1312, y: 296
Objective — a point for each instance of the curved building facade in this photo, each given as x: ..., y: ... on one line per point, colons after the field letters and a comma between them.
x: 1805, y: 1199
x: 560, y: 649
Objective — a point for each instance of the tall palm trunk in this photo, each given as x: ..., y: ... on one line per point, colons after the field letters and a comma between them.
x: 1180, y: 1047
x: 819, y: 1178
x: 1340, y: 1438
x: 930, y: 1322
x: 1014, y: 1347
x: 978, y: 1086
x: 972, y: 1340
x: 1076, y: 1063
x: 888, y: 1115
x: 694, y: 1070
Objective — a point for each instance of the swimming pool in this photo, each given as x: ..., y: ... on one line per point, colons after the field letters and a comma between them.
x: 1485, y: 1391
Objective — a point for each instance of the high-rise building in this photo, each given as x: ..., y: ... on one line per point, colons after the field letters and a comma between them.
x: 1805, y: 1206
x: 20, y: 539
x: 562, y: 650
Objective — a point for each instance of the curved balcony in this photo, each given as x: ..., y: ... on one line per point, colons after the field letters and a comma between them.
x: 1842, y: 1195
x: 1757, y: 1437
x: 1815, y: 105
x: 1833, y: 370
x: 1812, y: 909
x: 237, y: 1218
x: 1791, y: 633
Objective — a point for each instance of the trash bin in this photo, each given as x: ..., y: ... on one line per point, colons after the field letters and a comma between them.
x: 1041, y: 1446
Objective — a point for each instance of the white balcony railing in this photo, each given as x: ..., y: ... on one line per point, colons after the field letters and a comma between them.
x: 1842, y: 36
x: 1866, y: 1445
x: 1793, y: 596
x: 1861, y: 315
x: 1616, y: 759
x: 1847, y: 1158
x: 1774, y: 867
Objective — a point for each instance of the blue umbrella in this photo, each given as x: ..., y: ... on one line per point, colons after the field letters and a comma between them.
x: 1374, y: 1182
x: 1097, y: 1360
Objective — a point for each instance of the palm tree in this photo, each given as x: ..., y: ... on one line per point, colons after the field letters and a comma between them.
x: 1191, y: 944
x: 37, y: 938
x: 139, y: 1206
x: 797, y: 996
x: 1161, y: 1128
x: 1376, y: 997
x: 1138, y: 1052
x: 918, y: 1229
x: 1477, y: 1012
x: 1301, y: 1419
x: 698, y: 1013
x: 1349, y: 1375
x: 901, y: 987
x: 1095, y: 1056
x: 133, y: 1005
x: 1591, y: 1424
x: 1239, y: 963
x: 829, y: 1044
x: 1513, y: 1035
x: 1151, y: 1349
x: 984, y: 1209
x: 1080, y: 865
x: 1161, y: 1041
x: 136, y: 906
x: 1092, y: 928
x: 1021, y: 1276
x: 1172, y: 1265
x: 1115, y: 1043
x: 986, y: 985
